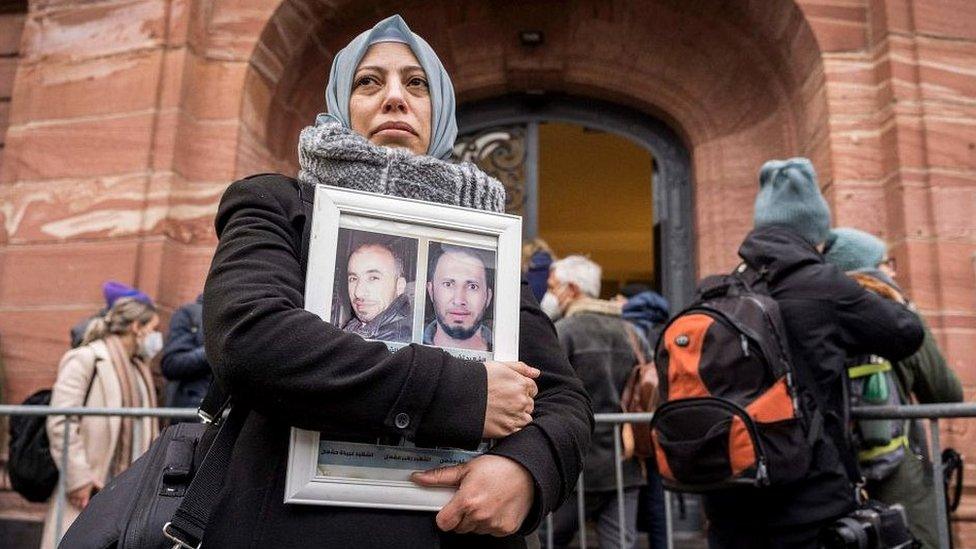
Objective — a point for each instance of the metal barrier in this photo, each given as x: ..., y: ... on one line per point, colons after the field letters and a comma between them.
x: 68, y: 412
x: 932, y: 412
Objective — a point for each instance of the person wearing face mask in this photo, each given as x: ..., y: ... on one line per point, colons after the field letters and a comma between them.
x: 109, y: 369
x: 389, y: 129
x: 600, y: 347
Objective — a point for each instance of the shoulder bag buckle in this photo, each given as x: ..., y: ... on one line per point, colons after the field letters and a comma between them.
x: 177, y: 542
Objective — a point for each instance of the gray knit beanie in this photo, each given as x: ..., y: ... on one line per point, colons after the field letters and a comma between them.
x: 789, y: 196
x: 854, y: 250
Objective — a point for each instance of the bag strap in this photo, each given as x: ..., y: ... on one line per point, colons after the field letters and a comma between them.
x: 187, y: 526
x: 92, y: 380
x: 952, y: 465
x: 214, y: 403
x: 635, y: 344
x: 754, y: 279
x: 633, y: 379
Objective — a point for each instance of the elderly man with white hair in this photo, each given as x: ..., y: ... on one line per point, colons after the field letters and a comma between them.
x: 598, y: 343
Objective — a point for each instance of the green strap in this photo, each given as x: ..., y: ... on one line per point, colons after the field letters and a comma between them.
x: 871, y: 453
x: 864, y: 370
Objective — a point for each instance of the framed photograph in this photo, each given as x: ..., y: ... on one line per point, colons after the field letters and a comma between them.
x: 403, y: 271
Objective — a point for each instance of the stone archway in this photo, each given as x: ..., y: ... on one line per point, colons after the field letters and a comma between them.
x: 740, y: 83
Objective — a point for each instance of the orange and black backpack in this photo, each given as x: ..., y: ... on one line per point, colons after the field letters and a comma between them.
x: 731, y: 411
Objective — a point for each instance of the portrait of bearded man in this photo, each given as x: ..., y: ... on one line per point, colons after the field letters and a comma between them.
x: 377, y: 289
x: 460, y: 289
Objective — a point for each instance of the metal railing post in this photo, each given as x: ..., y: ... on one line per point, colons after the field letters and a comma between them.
x: 581, y: 511
x: 62, y: 482
x: 940, y: 502
x: 668, y: 526
x: 619, y: 474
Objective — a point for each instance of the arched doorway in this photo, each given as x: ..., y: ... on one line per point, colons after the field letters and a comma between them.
x: 519, y: 118
x: 738, y: 82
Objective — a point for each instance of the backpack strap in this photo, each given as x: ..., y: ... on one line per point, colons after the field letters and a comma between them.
x: 214, y: 403
x: 635, y: 344
x: 815, y: 428
x: 755, y: 279
x: 186, y: 528
x: 92, y: 380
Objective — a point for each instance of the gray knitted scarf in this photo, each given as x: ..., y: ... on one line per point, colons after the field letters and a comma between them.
x: 334, y: 155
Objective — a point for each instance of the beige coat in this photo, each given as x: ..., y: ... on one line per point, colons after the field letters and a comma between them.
x: 93, y: 440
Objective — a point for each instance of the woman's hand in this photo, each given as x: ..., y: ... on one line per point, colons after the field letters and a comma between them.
x: 511, y: 394
x: 79, y: 497
x: 482, y: 504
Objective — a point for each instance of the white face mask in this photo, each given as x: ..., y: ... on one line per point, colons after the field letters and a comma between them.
x: 550, y: 306
x: 150, y: 345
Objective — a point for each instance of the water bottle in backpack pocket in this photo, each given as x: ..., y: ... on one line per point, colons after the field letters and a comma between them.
x: 882, y: 444
x: 732, y: 413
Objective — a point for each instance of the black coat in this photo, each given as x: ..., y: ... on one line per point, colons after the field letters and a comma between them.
x: 80, y: 327
x: 827, y: 316
x: 184, y: 362
x: 599, y: 349
x: 291, y: 368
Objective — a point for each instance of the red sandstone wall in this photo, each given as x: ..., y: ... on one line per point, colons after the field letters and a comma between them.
x: 11, y: 26
x: 92, y: 189
x: 922, y: 56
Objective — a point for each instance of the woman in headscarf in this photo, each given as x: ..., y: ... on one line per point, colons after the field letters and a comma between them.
x: 109, y: 369
x: 389, y: 129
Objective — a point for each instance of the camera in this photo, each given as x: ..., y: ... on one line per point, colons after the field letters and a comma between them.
x: 873, y: 526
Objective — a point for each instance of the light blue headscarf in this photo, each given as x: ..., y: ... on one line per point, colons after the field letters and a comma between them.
x: 394, y: 29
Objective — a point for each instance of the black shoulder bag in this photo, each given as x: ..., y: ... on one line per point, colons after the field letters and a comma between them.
x: 164, y: 500
x: 30, y: 465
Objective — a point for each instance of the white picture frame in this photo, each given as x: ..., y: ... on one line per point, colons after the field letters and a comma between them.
x: 347, y: 474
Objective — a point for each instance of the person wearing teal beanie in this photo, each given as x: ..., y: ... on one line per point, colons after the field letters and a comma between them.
x: 925, y: 377
x: 854, y: 250
x: 789, y: 195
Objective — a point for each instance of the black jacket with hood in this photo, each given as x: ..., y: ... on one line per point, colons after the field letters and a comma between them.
x: 827, y: 317
x: 291, y: 368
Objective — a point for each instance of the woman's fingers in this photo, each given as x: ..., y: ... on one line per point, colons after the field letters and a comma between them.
x: 524, y: 369
x: 442, y: 476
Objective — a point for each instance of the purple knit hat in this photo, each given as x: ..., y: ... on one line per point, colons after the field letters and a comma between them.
x: 113, y: 291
